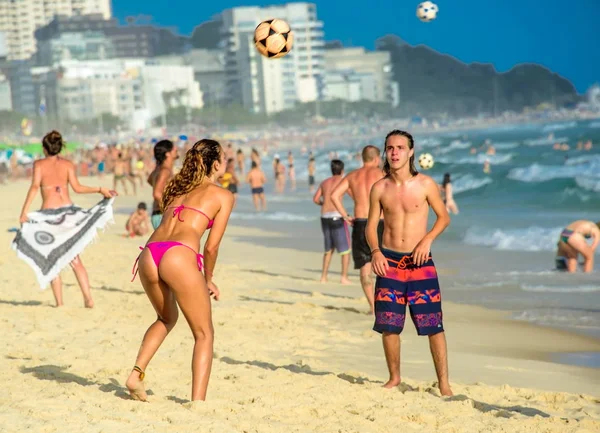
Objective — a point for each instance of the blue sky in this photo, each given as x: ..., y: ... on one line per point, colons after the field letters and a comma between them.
x: 559, y: 34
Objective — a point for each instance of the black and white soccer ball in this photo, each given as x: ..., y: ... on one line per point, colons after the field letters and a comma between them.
x: 427, y: 11
x: 273, y: 38
x: 426, y: 161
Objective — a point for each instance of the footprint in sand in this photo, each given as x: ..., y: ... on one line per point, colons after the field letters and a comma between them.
x: 505, y: 368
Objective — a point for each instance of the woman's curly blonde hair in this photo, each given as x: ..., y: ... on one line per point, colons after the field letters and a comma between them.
x: 197, y: 165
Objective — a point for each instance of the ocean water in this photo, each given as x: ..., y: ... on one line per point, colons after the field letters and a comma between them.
x: 499, y: 251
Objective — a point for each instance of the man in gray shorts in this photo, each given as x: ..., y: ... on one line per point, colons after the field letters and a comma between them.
x: 335, y: 229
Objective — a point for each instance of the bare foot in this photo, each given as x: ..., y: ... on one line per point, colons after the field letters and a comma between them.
x: 136, y: 387
x: 446, y: 391
x: 392, y: 383
x: 323, y: 279
x: 88, y: 303
x: 58, y: 305
x: 345, y: 281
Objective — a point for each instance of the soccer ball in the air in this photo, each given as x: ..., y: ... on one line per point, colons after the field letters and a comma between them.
x: 427, y: 11
x: 426, y: 161
x: 273, y: 38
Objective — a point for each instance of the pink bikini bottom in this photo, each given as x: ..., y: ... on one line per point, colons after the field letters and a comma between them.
x: 158, y: 250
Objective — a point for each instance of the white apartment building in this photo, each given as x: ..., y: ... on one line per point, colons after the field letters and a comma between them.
x: 164, y: 87
x: 209, y: 71
x: 345, y: 85
x: 5, y: 94
x: 271, y: 85
x: 371, y: 71
x: 135, y: 90
x: 20, y: 18
x: 3, y: 46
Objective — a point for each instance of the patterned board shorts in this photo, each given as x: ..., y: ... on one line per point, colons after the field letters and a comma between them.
x: 404, y: 284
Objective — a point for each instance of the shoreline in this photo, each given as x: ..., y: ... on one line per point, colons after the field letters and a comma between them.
x: 507, y: 314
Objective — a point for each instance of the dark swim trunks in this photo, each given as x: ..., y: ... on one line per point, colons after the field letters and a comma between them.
x: 311, y: 180
x: 258, y: 190
x: 361, y: 253
x: 232, y: 187
x: 561, y: 263
x: 403, y: 284
x: 336, y: 234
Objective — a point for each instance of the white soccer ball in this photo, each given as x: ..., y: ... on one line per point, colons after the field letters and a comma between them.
x: 426, y: 161
x: 427, y: 11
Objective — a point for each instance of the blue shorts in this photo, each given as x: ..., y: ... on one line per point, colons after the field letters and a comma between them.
x: 101, y: 167
x: 336, y: 235
x: 404, y: 284
x: 258, y: 190
x: 156, y: 218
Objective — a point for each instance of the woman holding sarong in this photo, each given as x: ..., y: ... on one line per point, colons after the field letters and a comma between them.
x: 52, y: 175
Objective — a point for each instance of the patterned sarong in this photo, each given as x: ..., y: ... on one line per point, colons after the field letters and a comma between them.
x: 52, y: 238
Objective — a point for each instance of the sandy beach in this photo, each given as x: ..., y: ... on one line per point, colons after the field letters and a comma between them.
x: 291, y: 355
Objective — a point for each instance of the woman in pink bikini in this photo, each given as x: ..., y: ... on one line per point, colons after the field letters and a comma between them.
x: 171, y: 268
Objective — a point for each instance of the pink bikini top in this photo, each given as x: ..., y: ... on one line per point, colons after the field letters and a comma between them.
x: 178, y: 209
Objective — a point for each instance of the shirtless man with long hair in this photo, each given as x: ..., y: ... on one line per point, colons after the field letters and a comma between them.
x: 406, y: 274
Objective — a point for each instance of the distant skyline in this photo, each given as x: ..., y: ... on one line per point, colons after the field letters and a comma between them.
x: 559, y: 35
